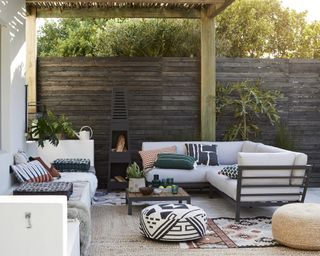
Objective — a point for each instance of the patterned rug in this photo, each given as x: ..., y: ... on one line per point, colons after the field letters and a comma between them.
x: 101, y: 197
x: 225, y: 233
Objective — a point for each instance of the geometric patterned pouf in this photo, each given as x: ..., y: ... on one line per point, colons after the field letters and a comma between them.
x: 297, y: 225
x: 173, y: 222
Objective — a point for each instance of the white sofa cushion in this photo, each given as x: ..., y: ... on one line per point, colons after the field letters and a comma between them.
x: 73, y: 177
x: 249, y: 147
x: 181, y: 176
x: 262, y: 148
x: 229, y: 187
x: 268, y: 159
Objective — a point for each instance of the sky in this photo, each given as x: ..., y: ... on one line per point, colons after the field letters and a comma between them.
x: 312, y: 6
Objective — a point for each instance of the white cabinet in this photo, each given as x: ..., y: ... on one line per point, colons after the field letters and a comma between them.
x: 73, y: 245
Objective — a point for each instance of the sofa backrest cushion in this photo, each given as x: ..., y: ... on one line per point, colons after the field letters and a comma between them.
x: 262, y: 148
x: 300, y: 158
x: 269, y: 159
x: 249, y: 146
x: 227, y: 150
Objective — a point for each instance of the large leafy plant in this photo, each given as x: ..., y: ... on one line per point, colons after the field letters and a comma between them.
x: 249, y: 103
x: 52, y: 128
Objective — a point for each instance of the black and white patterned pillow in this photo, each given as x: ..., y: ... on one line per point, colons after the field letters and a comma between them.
x: 203, y: 154
x: 230, y: 171
x: 72, y: 164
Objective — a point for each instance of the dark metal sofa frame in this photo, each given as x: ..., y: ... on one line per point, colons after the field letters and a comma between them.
x: 238, y: 203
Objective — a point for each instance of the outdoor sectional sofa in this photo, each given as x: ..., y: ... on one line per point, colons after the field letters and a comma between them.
x: 268, y: 176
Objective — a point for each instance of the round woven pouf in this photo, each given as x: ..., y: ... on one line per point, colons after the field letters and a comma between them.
x: 297, y: 226
x: 173, y: 222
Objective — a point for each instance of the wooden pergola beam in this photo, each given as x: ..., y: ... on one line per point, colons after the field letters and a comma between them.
x: 214, y: 9
x: 125, y: 12
x: 131, y: 1
x: 31, y: 57
x: 208, y: 78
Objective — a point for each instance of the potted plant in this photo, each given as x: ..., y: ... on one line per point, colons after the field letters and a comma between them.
x: 52, y: 128
x: 136, y: 177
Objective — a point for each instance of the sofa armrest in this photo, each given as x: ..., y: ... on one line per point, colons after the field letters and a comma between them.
x: 279, y: 180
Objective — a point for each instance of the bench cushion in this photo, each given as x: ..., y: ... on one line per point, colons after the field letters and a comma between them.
x: 81, y: 177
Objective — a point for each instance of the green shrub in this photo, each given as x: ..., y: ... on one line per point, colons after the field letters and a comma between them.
x: 249, y: 103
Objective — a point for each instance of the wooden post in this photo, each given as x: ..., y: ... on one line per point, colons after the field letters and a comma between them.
x: 208, y: 77
x: 31, y: 61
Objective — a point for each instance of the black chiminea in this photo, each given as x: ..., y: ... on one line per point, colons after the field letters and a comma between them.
x: 119, y: 150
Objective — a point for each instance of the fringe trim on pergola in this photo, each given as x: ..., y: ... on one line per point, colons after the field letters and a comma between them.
x: 80, y: 4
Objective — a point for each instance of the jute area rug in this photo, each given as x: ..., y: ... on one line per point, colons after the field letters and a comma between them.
x: 116, y: 233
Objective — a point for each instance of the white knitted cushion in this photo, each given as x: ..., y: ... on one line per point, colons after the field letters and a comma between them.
x: 173, y: 222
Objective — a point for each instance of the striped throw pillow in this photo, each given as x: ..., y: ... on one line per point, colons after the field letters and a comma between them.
x: 150, y: 156
x: 31, y: 172
x: 203, y: 154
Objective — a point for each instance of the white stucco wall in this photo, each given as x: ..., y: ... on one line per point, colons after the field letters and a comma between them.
x: 12, y: 21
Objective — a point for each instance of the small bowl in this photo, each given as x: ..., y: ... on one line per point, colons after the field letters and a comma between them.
x: 157, y: 191
x: 146, y: 190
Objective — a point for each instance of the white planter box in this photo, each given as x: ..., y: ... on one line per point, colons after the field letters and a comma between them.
x: 65, y: 149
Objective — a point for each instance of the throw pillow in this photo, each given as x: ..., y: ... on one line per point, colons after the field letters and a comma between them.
x: 72, y: 164
x: 230, y: 171
x: 21, y: 157
x: 203, y: 154
x: 174, y: 161
x: 53, y: 171
x: 31, y: 172
x: 150, y: 156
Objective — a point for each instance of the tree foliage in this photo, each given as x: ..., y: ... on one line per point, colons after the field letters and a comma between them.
x: 248, y: 28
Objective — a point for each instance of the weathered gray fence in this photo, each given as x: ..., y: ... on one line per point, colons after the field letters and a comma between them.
x: 164, y: 95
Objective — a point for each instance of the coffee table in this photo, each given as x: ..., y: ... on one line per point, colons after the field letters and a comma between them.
x: 182, y: 195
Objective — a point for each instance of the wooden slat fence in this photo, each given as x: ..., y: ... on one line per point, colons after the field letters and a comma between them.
x: 164, y: 97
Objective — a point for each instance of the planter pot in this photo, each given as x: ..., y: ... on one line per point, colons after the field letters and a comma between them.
x: 136, y: 183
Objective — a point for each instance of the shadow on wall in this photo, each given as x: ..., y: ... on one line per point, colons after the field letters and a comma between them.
x: 13, y: 16
x: 13, y: 55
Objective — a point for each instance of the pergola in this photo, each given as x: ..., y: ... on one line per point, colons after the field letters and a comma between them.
x: 205, y: 10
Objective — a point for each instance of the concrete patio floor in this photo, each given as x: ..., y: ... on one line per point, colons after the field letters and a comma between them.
x: 220, y: 207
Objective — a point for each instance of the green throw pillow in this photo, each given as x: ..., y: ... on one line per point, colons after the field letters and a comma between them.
x: 174, y: 161
x: 230, y: 171
x: 175, y: 156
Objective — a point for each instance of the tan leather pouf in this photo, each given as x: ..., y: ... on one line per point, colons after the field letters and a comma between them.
x: 297, y: 226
